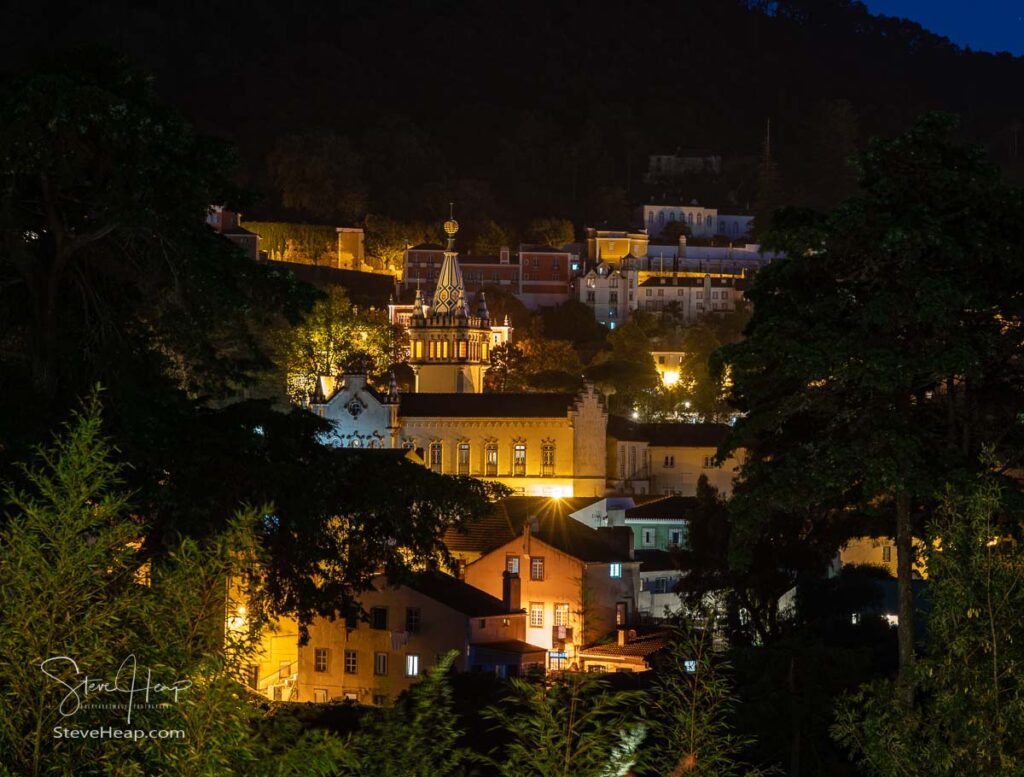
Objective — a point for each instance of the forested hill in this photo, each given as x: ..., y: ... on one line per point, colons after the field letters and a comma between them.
x: 549, y: 106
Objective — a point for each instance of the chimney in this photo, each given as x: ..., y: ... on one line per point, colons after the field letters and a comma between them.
x: 504, y: 254
x: 511, y: 591
x: 622, y: 636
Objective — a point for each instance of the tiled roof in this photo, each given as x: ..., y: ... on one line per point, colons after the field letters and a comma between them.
x: 642, y: 646
x: 666, y: 507
x: 668, y: 434
x: 554, y: 527
x: 509, y: 646
x: 427, y: 247
x: 660, y: 280
x: 458, y: 595
x: 524, y: 405
x: 655, y: 560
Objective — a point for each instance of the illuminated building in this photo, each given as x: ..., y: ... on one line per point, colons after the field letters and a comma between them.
x: 449, y: 349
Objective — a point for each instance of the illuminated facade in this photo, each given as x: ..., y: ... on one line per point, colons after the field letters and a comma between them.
x: 536, y: 444
x: 449, y: 350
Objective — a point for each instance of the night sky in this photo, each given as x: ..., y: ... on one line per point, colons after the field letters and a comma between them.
x: 988, y: 25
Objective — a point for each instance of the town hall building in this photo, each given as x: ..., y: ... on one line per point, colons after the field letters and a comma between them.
x: 538, y: 444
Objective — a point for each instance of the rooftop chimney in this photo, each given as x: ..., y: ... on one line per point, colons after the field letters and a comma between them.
x: 622, y: 636
x: 511, y: 591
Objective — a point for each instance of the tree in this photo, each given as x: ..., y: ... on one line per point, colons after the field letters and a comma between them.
x: 672, y: 231
x: 105, y: 260
x: 387, y: 239
x: 417, y: 736
x: 319, y: 174
x: 970, y: 703
x: 550, y: 232
x: 506, y: 361
x: 78, y: 598
x: 489, y: 238
x: 870, y: 372
x: 335, y: 337
x: 575, y: 725
x: 691, y: 704
x: 626, y: 371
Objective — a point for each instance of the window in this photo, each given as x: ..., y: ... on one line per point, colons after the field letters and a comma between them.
x: 463, y: 458
x: 483, y: 623
x: 632, y: 461
x: 675, y: 537
x: 591, y: 296
x: 433, y: 350
x: 661, y: 292
x: 537, y: 614
x: 708, y: 462
x: 435, y: 456
x: 320, y: 695
x: 661, y: 360
x: 555, y: 265
x: 887, y: 553
x: 547, y: 459
x: 595, y: 668
x: 379, y: 618
x: 380, y: 699
x: 670, y: 461
x: 412, y: 619
x: 351, y: 662
x: 613, y: 297
x: 380, y: 663
x: 562, y: 614
x: 491, y: 459
x: 512, y: 564
x: 647, y: 292
x: 621, y: 613
x: 320, y: 660
x: 615, y: 570
x: 536, y: 567
x: 412, y: 665
x: 519, y: 460
x: 462, y: 349
x: 647, y: 538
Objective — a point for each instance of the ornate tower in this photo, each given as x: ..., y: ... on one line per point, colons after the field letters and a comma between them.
x: 449, y: 350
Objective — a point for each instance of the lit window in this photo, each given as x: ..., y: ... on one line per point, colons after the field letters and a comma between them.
x: 320, y: 660
x: 615, y: 570
x: 491, y: 459
x: 536, y: 567
x: 380, y: 663
x: 351, y: 662
x: 519, y: 460
x: 537, y: 614
x: 855, y: 618
x: 412, y: 665
x: 547, y: 459
x: 512, y: 564
x: 562, y: 614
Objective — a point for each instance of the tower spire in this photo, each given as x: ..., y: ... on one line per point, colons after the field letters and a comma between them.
x: 450, y: 294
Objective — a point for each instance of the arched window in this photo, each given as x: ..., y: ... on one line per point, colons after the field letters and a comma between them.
x: 435, y: 456
x: 519, y: 460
